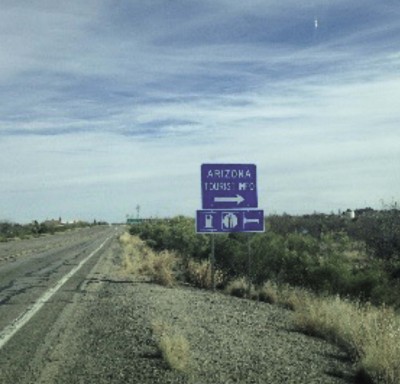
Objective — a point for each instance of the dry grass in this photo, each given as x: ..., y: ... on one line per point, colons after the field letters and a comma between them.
x: 291, y: 298
x: 173, y: 345
x: 240, y: 288
x: 269, y: 293
x: 272, y: 293
x: 140, y: 260
x: 371, y: 335
x: 381, y: 349
x: 237, y: 287
x: 198, y: 273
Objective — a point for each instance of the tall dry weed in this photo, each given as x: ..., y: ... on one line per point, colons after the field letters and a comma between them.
x: 163, y: 267
x: 291, y: 298
x: 380, y: 354
x: 371, y: 335
x: 173, y: 345
x: 240, y: 288
x: 199, y: 273
x: 269, y: 293
x: 138, y: 259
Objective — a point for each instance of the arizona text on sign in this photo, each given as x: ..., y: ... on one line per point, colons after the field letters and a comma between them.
x: 226, y: 186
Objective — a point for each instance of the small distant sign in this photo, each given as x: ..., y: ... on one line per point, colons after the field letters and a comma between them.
x: 220, y: 221
x: 134, y: 221
x: 229, y: 186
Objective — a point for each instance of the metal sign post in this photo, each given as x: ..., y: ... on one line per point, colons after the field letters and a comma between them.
x: 249, y: 263
x: 213, y: 262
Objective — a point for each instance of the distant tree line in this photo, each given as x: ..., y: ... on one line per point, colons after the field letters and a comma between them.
x: 379, y: 229
x: 10, y: 230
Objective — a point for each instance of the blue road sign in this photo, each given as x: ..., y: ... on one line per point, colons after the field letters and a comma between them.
x: 222, y: 221
x: 226, y: 186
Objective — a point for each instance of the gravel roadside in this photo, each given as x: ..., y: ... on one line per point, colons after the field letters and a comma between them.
x: 106, y: 337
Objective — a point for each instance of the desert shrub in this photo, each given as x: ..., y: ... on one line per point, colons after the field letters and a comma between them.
x: 140, y: 260
x: 329, y: 275
x: 173, y: 345
x: 269, y: 293
x: 324, y: 253
x: 125, y: 239
x: 199, y: 274
x: 177, y: 233
x: 230, y: 254
x: 363, y: 284
x: 286, y: 260
x: 238, y: 287
x: 155, y: 233
x: 184, y: 239
x: 370, y: 334
x: 302, y: 244
x: 10, y: 230
x: 315, y: 225
x: 267, y: 255
x: 292, y: 298
x: 380, y: 230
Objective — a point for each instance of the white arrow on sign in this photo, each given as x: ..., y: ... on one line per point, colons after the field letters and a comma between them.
x: 238, y: 199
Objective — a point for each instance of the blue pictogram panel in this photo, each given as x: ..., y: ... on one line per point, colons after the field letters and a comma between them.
x: 223, y: 221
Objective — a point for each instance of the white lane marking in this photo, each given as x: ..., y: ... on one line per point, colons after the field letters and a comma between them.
x: 8, y: 332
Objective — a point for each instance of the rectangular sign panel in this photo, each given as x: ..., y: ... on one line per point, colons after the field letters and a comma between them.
x: 226, y: 186
x: 223, y: 221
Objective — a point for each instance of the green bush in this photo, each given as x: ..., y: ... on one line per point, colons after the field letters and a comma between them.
x: 12, y: 230
x: 230, y: 254
x: 319, y: 252
x: 177, y: 233
x: 330, y: 278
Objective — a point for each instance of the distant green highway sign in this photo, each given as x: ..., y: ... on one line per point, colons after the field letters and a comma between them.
x: 134, y: 221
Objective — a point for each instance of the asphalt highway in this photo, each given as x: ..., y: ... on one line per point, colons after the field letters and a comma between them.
x: 38, y: 278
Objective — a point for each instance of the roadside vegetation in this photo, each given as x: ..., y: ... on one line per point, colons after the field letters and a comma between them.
x: 327, y: 254
x: 369, y: 334
x: 341, y: 277
x: 142, y: 262
x: 173, y: 346
x: 10, y: 231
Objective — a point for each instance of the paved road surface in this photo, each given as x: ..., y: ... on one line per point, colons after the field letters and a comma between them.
x: 38, y: 277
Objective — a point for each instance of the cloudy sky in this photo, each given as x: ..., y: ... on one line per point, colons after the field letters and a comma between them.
x: 110, y: 104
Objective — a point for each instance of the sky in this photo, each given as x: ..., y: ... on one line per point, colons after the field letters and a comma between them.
x: 107, y: 105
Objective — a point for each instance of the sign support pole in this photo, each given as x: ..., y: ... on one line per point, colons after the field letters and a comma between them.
x: 249, y: 264
x: 213, y: 261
